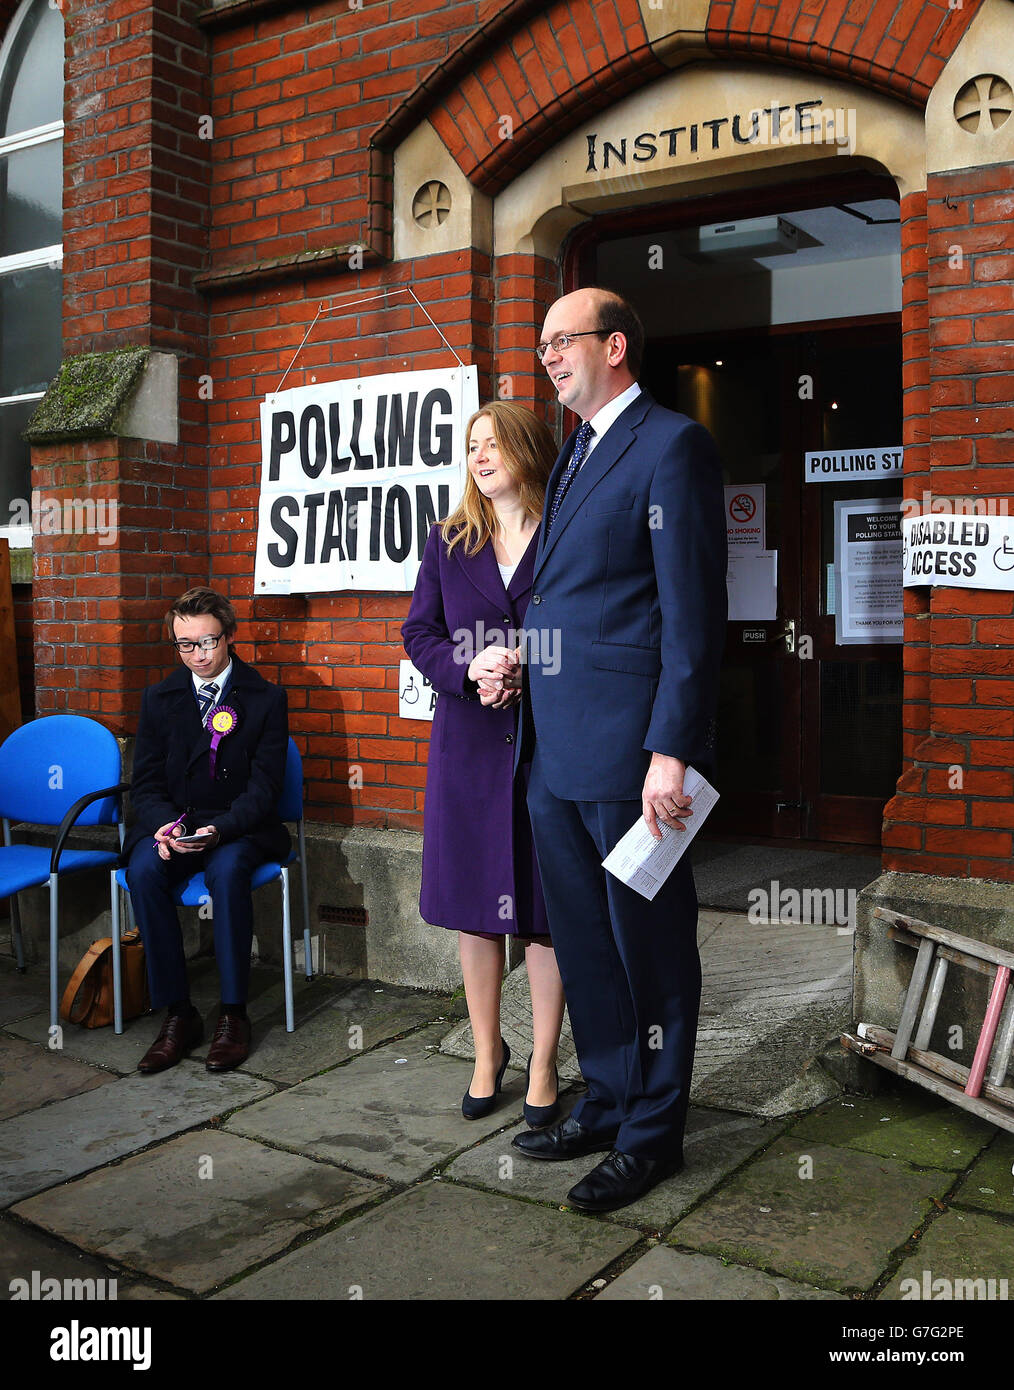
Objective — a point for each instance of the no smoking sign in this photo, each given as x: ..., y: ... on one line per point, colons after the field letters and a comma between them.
x: 744, y: 514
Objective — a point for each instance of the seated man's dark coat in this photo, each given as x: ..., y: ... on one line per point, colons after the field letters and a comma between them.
x: 171, y: 763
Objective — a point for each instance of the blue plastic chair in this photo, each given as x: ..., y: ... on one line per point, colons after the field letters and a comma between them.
x: 49, y: 771
x: 193, y: 891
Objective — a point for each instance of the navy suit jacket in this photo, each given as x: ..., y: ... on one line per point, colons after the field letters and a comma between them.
x: 631, y: 586
x: 171, y: 762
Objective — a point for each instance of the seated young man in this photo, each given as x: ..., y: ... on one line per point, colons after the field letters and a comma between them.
x: 209, y: 760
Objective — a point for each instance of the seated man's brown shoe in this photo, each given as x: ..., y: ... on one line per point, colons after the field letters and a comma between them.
x: 179, y: 1034
x: 231, y: 1043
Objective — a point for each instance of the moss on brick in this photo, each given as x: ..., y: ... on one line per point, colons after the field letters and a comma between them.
x: 87, y: 396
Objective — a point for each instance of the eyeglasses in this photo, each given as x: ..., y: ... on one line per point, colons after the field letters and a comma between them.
x: 562, y: 341
x: 206, y: 644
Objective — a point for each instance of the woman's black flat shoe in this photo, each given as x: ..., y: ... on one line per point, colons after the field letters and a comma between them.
x: 477, y: 1107
x: 538, y: 1116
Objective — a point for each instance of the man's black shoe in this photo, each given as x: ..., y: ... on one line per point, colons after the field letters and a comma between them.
x: 180, y: 1032
x: 568, y: 1139
x: 619, y: 1180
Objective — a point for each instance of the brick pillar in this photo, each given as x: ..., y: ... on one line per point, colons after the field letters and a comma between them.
x: 136, y: 178
x: 525, y: 288
x: 953, y: 815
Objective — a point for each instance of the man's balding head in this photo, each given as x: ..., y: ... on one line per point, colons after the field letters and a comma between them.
x: 604, y: 355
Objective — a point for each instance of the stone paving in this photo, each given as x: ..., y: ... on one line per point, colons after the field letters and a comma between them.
x: 336, y: 1164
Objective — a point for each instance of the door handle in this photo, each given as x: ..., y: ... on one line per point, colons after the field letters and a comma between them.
x: 789, y: 634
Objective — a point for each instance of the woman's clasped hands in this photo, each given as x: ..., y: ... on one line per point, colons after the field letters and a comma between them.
x: 497, y: 672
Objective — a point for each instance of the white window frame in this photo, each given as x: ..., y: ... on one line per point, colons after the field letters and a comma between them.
x: 20, y: 537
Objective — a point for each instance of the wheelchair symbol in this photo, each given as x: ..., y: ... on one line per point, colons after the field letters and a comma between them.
x: 410, y: 694
x: 1007, y: 551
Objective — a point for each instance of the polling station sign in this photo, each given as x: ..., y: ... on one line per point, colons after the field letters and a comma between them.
x: 962, y: 552
x: 839, y: 465
x: 353, y: 475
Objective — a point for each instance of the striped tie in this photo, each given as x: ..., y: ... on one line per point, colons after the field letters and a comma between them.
x: 206, y: 697
x: 581, y: 442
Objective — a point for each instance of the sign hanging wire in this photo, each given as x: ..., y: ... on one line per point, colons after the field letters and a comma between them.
x: 332, y: 306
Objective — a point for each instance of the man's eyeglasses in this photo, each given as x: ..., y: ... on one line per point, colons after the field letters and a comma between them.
x: 206, y: 644
x: 562, y: 341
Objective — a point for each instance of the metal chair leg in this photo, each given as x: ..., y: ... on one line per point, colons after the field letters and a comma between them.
x: 54, y: 950
x: 307, y: 949
x: 16, y: 936
x: 287, y: 952
x: 114, y: 904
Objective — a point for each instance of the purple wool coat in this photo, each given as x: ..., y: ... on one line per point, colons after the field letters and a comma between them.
x: 479, y: 872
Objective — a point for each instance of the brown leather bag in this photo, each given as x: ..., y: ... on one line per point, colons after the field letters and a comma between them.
x: 88, y: 999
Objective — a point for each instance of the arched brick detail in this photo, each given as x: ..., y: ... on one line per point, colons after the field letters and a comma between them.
x: 547, y: 74
x: 896, y: 47
x: 547, y: 71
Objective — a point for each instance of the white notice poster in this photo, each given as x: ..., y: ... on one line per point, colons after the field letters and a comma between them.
x: 867, y: 571
x: 752, y: 584
x: 354, y: 473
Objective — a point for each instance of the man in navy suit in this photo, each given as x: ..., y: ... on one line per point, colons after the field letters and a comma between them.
x: 630, y: 581
x: 210, y: 760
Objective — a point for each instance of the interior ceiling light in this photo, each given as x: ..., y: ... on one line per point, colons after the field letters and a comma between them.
x: 746, y: 238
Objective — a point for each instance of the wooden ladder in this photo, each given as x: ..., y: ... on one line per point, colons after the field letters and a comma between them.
x: 908, y: 1056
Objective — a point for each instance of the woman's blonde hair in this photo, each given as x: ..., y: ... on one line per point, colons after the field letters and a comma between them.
x: 527, y: 449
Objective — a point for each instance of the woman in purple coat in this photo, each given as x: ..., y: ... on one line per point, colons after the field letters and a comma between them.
x: 479, y: 873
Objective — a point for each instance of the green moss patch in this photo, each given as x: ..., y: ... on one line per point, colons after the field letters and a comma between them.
x: 87, y: 396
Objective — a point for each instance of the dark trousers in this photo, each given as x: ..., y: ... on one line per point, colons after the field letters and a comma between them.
x: 631, y: 972
x: 153, y: 882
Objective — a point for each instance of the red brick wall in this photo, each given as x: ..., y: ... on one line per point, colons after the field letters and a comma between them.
x: 99, y: 611
x: 297, y: 96
x: 954, y: 812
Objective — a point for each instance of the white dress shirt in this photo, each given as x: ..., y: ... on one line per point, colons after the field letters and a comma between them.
x: 609, y: 414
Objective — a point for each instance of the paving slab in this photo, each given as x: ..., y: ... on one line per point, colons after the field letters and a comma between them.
x: 439, y: 1241
x: 773, y: 993
x: 959, y: 1245
x: 394, y: 1113
x: 28, y: 1254
x: 664, y: 1273
x: 199, y: 1210
x: 122, y: 1052
x: 32, y: 1076
x: 916, y: 1128
x: 716, y: 1142
x: 22, y: 995
x: 339, y: 1024
x: 989, y: 1183
x: 836, y: 1229
x: 70, y: 1137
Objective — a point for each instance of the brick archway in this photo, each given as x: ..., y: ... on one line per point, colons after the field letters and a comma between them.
x: 527, y: 77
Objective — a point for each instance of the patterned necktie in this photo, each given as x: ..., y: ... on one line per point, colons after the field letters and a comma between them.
x: 581, y: 443
x: 206, y: 697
